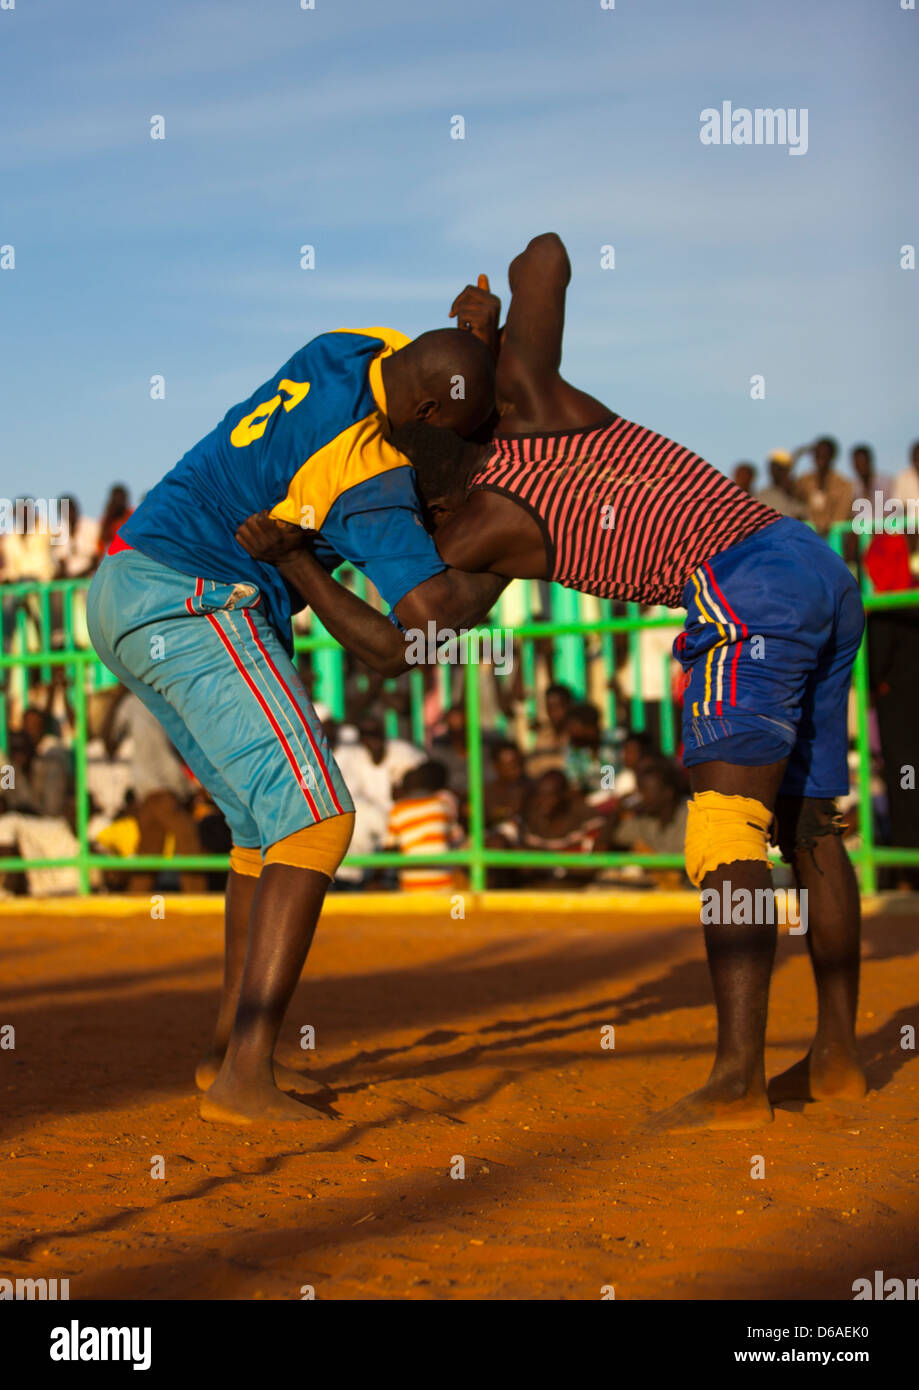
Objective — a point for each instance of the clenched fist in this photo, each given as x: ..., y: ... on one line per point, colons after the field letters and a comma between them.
x: 269, y: 540
x: 478, y: 311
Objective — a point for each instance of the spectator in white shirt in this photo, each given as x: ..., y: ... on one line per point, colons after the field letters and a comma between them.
x: 373, y: 767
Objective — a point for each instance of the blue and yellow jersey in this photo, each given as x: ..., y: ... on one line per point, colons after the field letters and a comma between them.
x: 312, y: 446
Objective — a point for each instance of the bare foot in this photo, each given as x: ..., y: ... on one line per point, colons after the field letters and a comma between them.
x: 712, y: 1107
x: 226, y: 1104
x: 285, y: 1078
x: 830, y: 1076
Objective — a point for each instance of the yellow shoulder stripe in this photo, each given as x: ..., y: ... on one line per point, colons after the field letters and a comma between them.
x: 393, y: 339
x: 358, y: 453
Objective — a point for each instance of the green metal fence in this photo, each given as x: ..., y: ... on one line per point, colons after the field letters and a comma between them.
x: 581, y: 630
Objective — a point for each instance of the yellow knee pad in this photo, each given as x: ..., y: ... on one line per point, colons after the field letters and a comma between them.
x: 244, y: 860
x: 722, y: 829
x: 320, y: 847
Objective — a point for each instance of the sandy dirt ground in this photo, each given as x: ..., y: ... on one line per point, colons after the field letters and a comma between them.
x: 478, y: 1041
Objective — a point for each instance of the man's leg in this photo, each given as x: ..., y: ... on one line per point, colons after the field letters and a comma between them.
x: 240, y: 894
x: 240, y: 888
x: 740, y: 958
x: 227, y: 693
x: 773, y: 625
x: 285, y: 909
x: 809, y: 837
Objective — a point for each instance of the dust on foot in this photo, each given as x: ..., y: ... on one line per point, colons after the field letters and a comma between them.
x: 285, y: 1078
x: 831, y: 1077
x: 227, y: 1105
x: 710, y: 1108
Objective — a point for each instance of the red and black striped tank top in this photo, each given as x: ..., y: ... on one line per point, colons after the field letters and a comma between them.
x: 625, y: 513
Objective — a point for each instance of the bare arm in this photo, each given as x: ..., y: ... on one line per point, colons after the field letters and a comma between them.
x: 350, y: 620
x: 533, y: 394
x: 532, y: 343
x: 528, y: 348
x: 452, y: 599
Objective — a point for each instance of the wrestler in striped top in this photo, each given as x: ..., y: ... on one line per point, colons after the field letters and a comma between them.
x: 567, y: 490
x: 624, y: 513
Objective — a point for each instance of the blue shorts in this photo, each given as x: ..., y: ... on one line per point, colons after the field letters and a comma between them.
x: 206, y: 662
x: 773, y: 626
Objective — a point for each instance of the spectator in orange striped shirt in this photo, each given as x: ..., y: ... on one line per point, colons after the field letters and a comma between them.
x: 423, y: 820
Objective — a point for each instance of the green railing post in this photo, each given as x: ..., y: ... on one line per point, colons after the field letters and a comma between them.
x: 868, y: 868
x: 77, y: 671
x: 569, y: 649
x: 22, y: 641
x: 528, y: 663
x: 328, y: 671
x: 44, y: 625
x: 608, y: 658
x: 474, y: 765
x: 668, y: 714
x: 637, y: 710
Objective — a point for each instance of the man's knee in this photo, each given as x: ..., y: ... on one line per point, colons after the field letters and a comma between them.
x: 801, y: 821
x: 320, y: 847
x: 722, y: 830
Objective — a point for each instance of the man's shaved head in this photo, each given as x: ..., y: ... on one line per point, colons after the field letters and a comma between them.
x: 445, y: 377
x: 443, y: 462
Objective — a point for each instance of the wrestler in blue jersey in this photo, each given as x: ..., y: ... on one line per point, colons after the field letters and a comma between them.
x: 311, y: 446
x: 200, y: 631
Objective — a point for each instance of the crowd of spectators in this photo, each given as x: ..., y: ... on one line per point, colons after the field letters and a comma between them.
x: 57, y: 540
x: 561, y: 774
x: 824, y: 496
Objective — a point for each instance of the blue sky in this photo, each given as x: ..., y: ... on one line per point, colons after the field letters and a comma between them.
x: 332, y: 127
